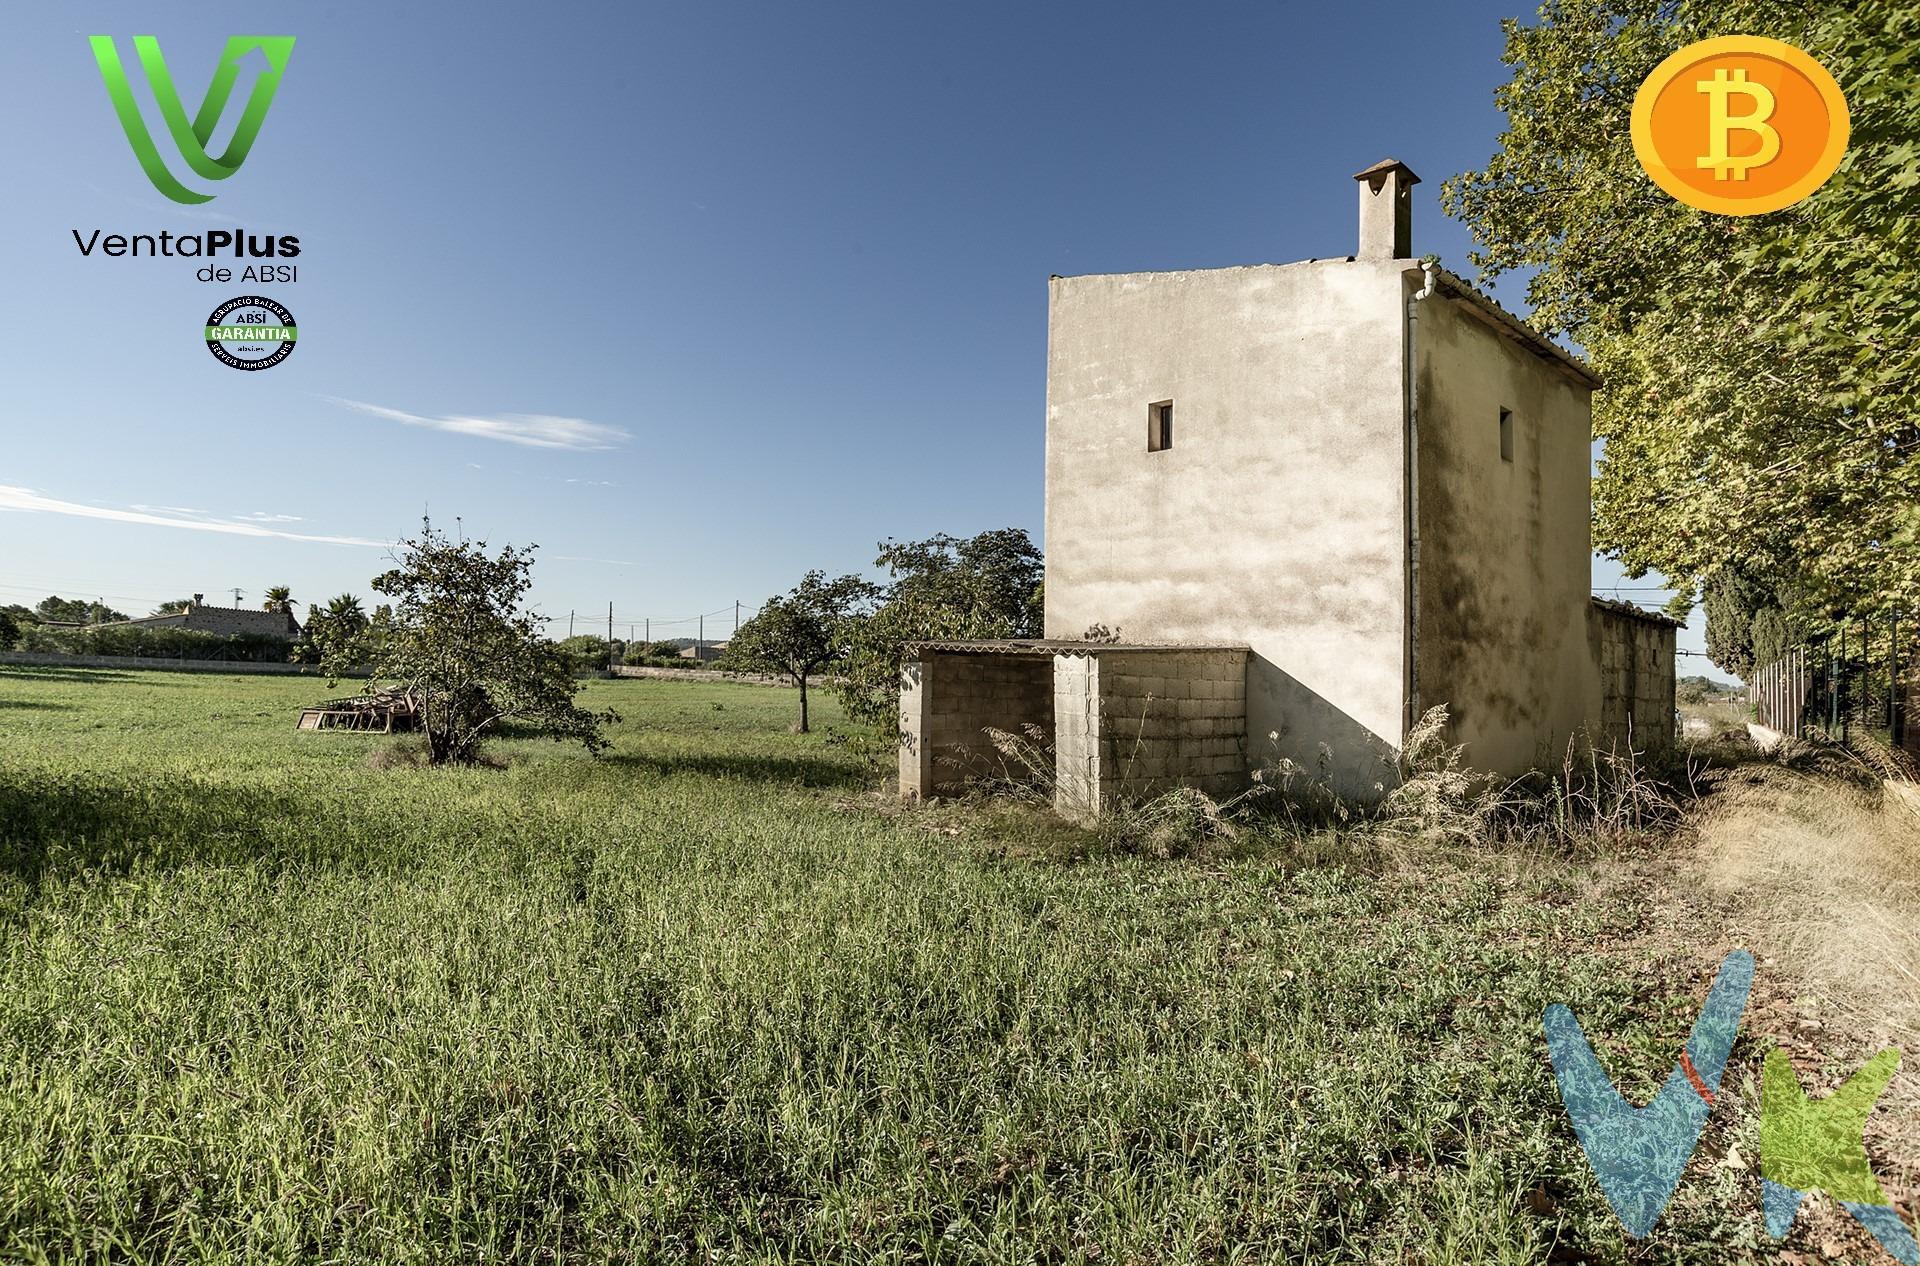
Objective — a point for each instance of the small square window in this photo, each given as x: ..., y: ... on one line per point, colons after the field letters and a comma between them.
x: 1506, y: 435
x: 1159, y: 426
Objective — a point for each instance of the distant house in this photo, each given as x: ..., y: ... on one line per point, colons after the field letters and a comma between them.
x: 198, y: 617
x: 702, y: 651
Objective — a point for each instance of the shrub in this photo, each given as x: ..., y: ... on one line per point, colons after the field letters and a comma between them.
x: 158, y: 643
x: 586, y: 654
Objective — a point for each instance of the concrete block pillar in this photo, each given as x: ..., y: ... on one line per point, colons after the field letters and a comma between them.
x: 1076, y: 743
x: 916, y: 752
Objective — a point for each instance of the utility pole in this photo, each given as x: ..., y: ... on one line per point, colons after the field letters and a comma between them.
x: 649, y: 627
x: 700, y: 643
x: 569, y: 625
x: 736, y: 615
x: 237, y: 594
x: 609, y: 639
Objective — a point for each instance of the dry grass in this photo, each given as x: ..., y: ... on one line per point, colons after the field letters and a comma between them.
x: 1828, y: 874
x: 1178, y: 822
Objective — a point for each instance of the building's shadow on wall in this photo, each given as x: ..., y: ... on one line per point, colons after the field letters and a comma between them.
x: 1324, y: 743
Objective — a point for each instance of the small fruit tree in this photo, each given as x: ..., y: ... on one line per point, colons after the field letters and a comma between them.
x: 458, y: 637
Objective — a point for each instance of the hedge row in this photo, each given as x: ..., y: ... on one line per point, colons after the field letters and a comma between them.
x: 157, y: 643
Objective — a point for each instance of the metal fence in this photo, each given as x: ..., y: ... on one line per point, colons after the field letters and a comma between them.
x: 1864, y: 676
x: 1779, y: 692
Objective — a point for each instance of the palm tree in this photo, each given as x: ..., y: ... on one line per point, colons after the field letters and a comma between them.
x: 279, y: 598
x: 347, y: 607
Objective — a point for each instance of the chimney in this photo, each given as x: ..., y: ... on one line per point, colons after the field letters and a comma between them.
x: 1386, y: 210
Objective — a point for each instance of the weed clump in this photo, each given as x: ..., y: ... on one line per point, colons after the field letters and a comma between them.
x: 1178, y: 822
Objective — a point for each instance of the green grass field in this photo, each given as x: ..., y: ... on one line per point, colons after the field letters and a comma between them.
x: 715, y: 997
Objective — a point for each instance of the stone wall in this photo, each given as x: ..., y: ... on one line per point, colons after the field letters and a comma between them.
x: 949, y: 699
x: 708, y: 674
x: 1635, y: 655
x: 225, y: 622
x: 1133, y: 723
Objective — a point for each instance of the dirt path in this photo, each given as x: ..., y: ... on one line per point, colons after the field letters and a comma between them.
x: 1820, y: 878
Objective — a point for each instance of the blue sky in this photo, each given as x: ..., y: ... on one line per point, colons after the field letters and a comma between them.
x: 696, y: 297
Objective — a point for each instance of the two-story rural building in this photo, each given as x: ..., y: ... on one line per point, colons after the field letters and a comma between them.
x: 1312, y: 500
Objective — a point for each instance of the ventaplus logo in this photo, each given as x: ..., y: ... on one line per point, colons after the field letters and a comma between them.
x: 191, y: 136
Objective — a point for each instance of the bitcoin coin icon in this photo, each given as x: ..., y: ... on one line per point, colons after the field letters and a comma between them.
x: 1720, y: 124
x: 1740, y: 125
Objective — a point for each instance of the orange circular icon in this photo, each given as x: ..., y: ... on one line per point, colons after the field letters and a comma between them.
x: 1739, y: 125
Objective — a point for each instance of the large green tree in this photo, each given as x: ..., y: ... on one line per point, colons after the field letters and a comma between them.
x: 1762, y: 403
x: 984, y: 586
x: 801, y: 632
x: 1746, y: 620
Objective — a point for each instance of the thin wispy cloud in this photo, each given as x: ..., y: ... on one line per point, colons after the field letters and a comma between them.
x: 534, y: 430
x: 26, y: 499
x: 261, y: 516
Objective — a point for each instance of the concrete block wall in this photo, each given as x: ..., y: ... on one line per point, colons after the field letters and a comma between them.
x: 1636, y: 663
x: 947, y: 702
x: 1135, y: 723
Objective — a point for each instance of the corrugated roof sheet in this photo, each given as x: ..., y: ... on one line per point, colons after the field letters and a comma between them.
x: 1640, y: 613
x: 1062, y: 646
x: 1513, y: 327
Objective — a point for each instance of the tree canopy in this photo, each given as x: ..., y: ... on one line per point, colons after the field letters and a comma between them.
x: 799, y: 633
x: 459, y: 637
x: 341, y: 623
x: 984, y: 586
x: 57, y: 610
x: 1761, y: 413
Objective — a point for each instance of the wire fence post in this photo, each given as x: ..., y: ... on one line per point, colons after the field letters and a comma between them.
x: 1898, y: 733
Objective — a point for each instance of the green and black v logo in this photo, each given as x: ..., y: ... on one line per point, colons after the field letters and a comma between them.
x: 191, y: 136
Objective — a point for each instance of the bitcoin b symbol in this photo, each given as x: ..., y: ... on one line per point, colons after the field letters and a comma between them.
x: 1720, y: 123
